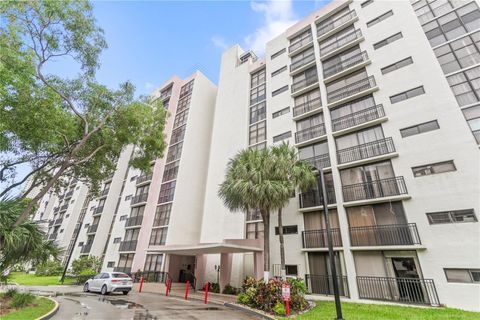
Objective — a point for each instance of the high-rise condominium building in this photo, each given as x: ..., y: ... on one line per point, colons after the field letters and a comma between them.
x: 383, y: 97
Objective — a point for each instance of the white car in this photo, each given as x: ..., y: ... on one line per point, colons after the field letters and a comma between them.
x: 107, y: 282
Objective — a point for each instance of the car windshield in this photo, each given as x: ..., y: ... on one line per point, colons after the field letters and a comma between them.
x: 120, y: 275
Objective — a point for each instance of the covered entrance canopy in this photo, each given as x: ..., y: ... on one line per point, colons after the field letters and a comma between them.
x: 206, y: 248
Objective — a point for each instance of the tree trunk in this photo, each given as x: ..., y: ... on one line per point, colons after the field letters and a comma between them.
x: 266, y: 244
x: 282, y: 245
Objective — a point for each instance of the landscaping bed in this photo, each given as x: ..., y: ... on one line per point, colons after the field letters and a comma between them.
x: 25, y: 306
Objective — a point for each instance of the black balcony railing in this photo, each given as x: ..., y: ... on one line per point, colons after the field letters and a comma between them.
x: 134, y: 221
x: 58, y: 221
x: 144, y: 178
x: 319, y: 238
x: 366, y: 150
x: 307, y: 106
x: 129, y: 245
x: 311, y: 198
x: 299, y: 85
x: 86, y: 248
x: 375, y: 189
x: 139, y: 198
x: 127, y: 270
x: 300, y: 43
x: 319, y: 162
x: 351, y: 89
x: 340, y: 42
x: 345, y: 64
x: 310, y: 133
x: 300, y: 63
x: 385, y: 235
x: 93, y: 228
x: 153, y: 276
x: 404, y: 290
x: 98, y: 210
x: 357, y: 118
x: 323, y: 284
x: 53, y: 236
x: 328, y: 25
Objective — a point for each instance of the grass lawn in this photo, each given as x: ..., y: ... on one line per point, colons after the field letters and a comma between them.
x: 32, y: 280
x: 356, y: 311
x: 42, y: 306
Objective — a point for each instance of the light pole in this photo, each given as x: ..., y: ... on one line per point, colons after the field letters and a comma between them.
x: 322, y: 194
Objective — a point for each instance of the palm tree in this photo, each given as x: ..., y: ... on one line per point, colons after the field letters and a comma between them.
x: 24, y: 243
x: 250, y: 183
x: 297, y: 174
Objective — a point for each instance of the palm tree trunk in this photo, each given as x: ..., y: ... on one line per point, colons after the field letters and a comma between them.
x: 266, y: 244
x: 282, y: 245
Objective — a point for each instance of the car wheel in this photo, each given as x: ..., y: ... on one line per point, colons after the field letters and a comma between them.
x: 104, y: 290
x: 85, y: 288
x: 125, y: 293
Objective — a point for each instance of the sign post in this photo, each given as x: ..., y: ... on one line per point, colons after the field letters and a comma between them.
x: 286, y: 296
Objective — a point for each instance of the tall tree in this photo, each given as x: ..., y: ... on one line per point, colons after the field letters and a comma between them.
x: 296, y: 174
x: 250, y: 183
x: 55, y: 127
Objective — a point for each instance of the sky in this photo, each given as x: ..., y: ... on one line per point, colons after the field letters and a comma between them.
x: 149, y: 41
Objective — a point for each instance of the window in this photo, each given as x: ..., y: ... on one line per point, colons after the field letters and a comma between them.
x: 342, y: 61
x: 80, y: 244
x: 313, y: 151
x: 302, y: 59
x: 304, y: 79
x: 472, y: 115
x: 158, y: 236
x: 110, y: 264
x: 125, y: 261
x: 137, y: 211
x: 153, y: 262
x: 466, y: 86
x: 162, y: 215
x: 258, y: 112
x: 397, y: 65
x: 281, y: 112
x: 257, y: 94
x: 387, y: 41
x: 186, y: 89
x: 254, y: 230
x: 180, y: 118
x: 177, y: 135
x: 380, y: 18
x: 278, y: 53
x: 291, y: 270
x: 278, y: 71
x: 87, y: 225
x: 171, y: 170
x: 167, y: 191
x: 127, y: 198
x: 123, y: 217
x: 433, y: 168
x: 133, y: 178
x: 174, y: 152
x: 61, y: 230
x: 459, y: 54
x: 407, y: 94
x: 258, y: 78
x: 335, y: 20
x: 419, y: 128
x: 280, y: 90
x: 300, y: 40
x: 253, y: 215
x: 454, y: 216
x: 357, y: 138
x: 426, y: 11
x: 282, y: 136
x: 463, y: 275
x: 287, y: 230
x: 366, y: 3
x: 117, y: 240
x: 257, y: 133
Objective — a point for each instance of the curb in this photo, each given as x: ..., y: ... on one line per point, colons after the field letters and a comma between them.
x: 249, y: 311
x: 52, y: 312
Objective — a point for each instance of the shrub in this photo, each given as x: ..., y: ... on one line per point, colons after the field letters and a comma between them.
x: 49, y: 268
x: 243, y: 299
x: 230, y: 290
x: 20, y: 300
x: 10, y: 293
x: 213, y: 287
x: 279, y: 309
x: 86, y: 262
x: 85, y: 275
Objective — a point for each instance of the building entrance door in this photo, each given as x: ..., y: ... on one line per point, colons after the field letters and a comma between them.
x: 409, y: 286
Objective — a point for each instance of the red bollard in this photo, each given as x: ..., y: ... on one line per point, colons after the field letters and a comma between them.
x: 186, y: 290
x: 206, y: 293
x: 141, y: 284
x: 168, y: 288
x: 288, y: 307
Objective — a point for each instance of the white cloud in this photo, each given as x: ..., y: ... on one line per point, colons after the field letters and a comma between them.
x: 219, y: 42
x: 277, y: 17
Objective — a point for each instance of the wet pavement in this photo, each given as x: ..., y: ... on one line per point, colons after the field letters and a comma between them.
x: 76, y: 305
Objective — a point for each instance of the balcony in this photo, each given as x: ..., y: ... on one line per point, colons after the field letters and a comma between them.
x: 58, y: 221
x: 349, y: 63
x: 303, y: 62
x: 319, y: 162
x: 69, y: 194
x: 127, y: 270
x: 311, y: 199
x: 104, y: 192
x: 134, y: 221
x: 352, y: 89
x: 51, y: 222
x: 358, y: 118
x: 126, y: 246
x: 56, y: 209
x: 300, y: 44
x: 366, y: 150
x: 306, y: 107
x: 144, y: 178
x: 53, y: 236
x: 93, y: 228
x: 328, y: 26
x: 302, y: 84
x: 323, y: 284
x: 98, y: 210
x: 64, y: 207
x: 310, y: 133
x: 403, y: 290
x: 86, y: 248
x: 139, y: 198
x: 385, y: 235
x: 374, y: 189
x: 319, y: 239
x: 344, y: 41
